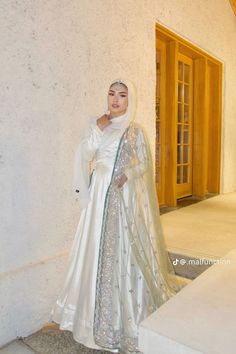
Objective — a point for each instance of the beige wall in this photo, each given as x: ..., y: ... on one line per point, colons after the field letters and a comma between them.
x: 57, y: 59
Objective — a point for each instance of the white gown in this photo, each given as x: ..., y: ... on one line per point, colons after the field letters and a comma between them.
x: 74, y: 308
x: 125, y: 263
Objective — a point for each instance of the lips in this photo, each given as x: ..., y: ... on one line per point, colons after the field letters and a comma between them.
x: 115, y: 105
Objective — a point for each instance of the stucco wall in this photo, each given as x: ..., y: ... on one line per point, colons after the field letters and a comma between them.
x: 57, y: 59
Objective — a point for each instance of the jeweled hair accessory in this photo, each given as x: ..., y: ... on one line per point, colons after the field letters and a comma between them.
x: 120, y: 82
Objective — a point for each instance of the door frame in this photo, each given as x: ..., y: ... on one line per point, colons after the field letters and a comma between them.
x: 207, y: 117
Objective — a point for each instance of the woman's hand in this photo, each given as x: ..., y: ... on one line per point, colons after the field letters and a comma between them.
x: 122, y: 180
x: 103, y: 122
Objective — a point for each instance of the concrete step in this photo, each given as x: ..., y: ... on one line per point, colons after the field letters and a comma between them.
x: 199, y: 319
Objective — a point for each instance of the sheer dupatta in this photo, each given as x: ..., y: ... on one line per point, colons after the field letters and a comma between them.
x: 135, y: 275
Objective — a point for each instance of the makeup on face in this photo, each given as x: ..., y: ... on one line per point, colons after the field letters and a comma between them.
x: 117, y: 99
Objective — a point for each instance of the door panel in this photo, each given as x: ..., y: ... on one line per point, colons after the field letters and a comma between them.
x: 184, y: 127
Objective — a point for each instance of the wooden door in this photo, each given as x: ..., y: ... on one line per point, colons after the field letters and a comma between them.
x: 188, y: 119
x: 184, y: 127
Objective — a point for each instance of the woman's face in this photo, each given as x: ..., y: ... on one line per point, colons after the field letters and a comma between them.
x: 117, y: 99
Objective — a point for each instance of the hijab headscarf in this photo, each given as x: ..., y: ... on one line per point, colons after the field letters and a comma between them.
x: 131, y: 109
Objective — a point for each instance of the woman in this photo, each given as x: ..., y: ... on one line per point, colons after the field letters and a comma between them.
x: 118, y: 271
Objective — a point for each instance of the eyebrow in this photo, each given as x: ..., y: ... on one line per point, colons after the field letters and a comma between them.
x: 119, y: 91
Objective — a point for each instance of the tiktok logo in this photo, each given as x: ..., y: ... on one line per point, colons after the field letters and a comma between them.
x: 175, y: 262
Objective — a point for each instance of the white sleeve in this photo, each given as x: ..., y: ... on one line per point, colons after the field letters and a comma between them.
x: 91, y: 141
x: 84, y: 154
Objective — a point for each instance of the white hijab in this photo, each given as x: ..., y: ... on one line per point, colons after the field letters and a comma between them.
x: 131, y: 109
x: 81, y: 171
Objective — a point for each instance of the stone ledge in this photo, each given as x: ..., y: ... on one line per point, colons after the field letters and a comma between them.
x: 200, y: 318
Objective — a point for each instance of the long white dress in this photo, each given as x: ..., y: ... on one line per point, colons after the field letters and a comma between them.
x: 118, y: 269
x: 74, y: 308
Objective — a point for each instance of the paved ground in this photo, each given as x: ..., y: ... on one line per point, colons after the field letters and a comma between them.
x: 204, y: 230
x: 49, y: 340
